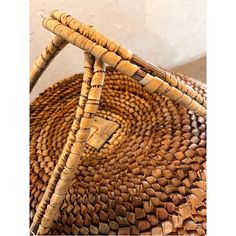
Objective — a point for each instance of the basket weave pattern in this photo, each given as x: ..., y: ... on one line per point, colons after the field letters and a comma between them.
x: 149, y: 177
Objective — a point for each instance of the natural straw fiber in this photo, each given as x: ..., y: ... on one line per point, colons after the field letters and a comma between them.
x: 194, y: 102
x: 148, y: 177
x: 54, y: 47
x: 76, y: 141
x: 91, y: 33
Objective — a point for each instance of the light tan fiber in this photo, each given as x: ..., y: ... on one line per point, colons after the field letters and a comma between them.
x: 88, y: 73
x: 168, y: 77
x: 147, y: 169
x: 91, y: 33
x: 115, y: 61
x: 40, y: 65
x: 76, y: 151
x: 140, y: 168
x: 96, y: 36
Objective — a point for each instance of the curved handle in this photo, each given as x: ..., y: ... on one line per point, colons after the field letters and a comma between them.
x: 98, y: 50
x: 94, y: 35
x: 64, y: 171
x: 90, y: 40
x: 45, y: 58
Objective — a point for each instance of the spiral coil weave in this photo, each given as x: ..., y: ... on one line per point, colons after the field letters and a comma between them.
x: 149, y: 177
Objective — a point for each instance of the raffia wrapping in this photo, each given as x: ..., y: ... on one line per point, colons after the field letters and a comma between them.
x: 149, y: 177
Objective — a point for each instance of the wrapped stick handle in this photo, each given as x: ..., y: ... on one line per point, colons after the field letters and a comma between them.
x: 45, y: 58
x: 149, y: 82
x: 94, y: 35
x: 63, y: 173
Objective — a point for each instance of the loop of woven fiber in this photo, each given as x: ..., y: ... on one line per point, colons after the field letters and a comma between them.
x: 88, y: 66
x: 94, y: 35
x: 149, y: 177
x: 77, y: 147
x: 91, y: 33
x: 123, y: 66
x: 170, y: 78
x: 40, y: 65
x: 70, y: 142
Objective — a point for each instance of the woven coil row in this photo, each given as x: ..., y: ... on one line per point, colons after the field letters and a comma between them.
x: 149, y: 177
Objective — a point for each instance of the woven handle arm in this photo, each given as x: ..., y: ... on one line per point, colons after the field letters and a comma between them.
x: 172, y: 88
x: 45, y: 58
x: 65, y: 169
x: 99, y: 50
x: 94, y: 35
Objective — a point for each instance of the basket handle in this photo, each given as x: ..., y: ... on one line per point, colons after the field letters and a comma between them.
x: 45, y: 58
x: 153, y: 79
x: 63, y: 173
x: 90, y: 40
x: 98, y: 50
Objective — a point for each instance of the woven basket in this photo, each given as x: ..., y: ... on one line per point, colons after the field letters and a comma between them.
x: 116, y: 150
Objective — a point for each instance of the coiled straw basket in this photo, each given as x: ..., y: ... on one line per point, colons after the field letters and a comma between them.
x: 116, y: 150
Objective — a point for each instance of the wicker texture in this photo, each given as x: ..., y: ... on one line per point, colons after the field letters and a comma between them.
x: 64, y: 171
x: 53, y: 48
x: 150, y: 175
x: 92, y: 34
x: 172, y: 87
